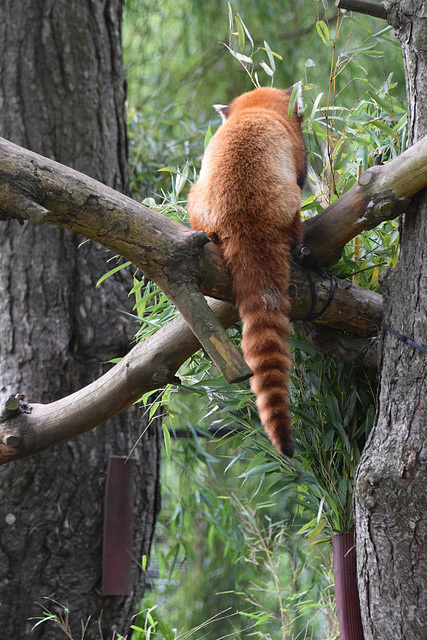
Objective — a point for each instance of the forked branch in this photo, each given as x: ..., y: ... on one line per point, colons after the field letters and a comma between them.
x: 150, y: 365
x: 40, y: 190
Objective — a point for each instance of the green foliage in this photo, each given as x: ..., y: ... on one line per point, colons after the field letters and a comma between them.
x: 343, y: 141
x: 174, y: 50
x: 177, y: 64
x: 223, y: 550
x: 158, y: 138
x: 334, y: 406
x: 239, y: 37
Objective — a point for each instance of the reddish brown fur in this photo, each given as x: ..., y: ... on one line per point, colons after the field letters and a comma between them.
x: 247, y: 199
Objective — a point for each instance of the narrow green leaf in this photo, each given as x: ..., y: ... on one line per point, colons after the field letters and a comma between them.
x: 208, y: 136
x: 240, y: 31
x: 110, y: 273
x: 294, y: 96
x: 230, y: 17
x: 242, y: 57
x: 181, y: 179
x: 248, y: 35
x: 359, y: 22
x: 262, y: 468
x: 266, y: 68
x: 307, y: 526
x: 256, y: 460
x: 137, y: 285
x: 233, y: 461
x: 317, y: 530
x: 323, y: 31
x: 169, y: 169
x: 167, y: 440
x: 270, y: 56
x: 341, y: 161
x: 385, y: 128
x: 314, y: 111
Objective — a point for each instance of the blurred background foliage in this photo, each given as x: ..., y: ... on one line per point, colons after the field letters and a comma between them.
x: 178, y: 66
x: 243, y: 542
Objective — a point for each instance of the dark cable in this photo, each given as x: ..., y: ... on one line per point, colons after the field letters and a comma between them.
x: 403, y: 338
x: 313, y: 314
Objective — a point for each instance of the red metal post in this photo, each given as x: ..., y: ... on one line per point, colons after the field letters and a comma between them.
x: 346, y: 592
x: 118, y: 527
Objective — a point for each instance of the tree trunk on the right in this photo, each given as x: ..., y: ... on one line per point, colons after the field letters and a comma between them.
x: 390, y: 491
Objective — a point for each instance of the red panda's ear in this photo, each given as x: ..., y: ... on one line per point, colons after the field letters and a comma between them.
x: 222, y: 110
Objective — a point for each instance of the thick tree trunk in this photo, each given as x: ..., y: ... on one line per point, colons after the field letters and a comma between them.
x: 390, y: 495
x: 62, y: 95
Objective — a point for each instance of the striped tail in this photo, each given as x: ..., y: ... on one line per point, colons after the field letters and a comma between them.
x: 261, y: 282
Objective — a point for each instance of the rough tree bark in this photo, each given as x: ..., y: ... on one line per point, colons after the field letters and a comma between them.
x: 62, y: 95
x: 390, y: 492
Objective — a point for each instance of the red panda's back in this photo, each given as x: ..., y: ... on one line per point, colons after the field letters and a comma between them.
x: 247, y: 199
x: 248, y: 174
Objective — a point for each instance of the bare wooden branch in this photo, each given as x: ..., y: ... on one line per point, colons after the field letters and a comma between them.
x: 150, y: 365
x: 193, y: 306
x: 375, y: 9
x: 352, y: 308
x: 36, y: 188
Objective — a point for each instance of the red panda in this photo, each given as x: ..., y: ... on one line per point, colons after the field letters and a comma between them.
x: 248, y: 199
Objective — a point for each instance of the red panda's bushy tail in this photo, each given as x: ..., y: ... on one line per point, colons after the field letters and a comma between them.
x: 260, y: 270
